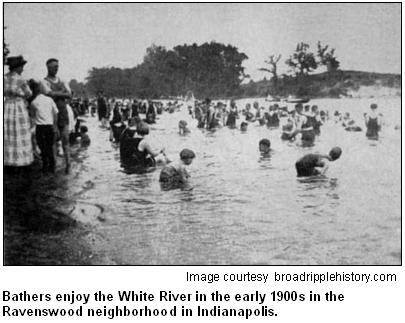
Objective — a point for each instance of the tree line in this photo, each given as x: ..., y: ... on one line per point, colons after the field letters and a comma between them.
x: 209, y: 70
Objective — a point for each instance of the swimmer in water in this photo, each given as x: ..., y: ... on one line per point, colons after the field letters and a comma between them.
x: 373, y: 121
x: 176, y: 173
x: 265, y: 147
x: 316, y: 164
x: 183, y: 130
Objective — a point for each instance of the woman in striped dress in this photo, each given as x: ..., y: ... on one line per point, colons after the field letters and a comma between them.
x: 18, y: 149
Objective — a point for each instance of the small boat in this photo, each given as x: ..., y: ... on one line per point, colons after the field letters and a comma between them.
x: 272, y: 98
x: 294, y: 99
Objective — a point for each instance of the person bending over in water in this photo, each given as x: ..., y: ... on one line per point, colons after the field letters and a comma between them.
x: 264, y: 147
x: 176, y: 173
x: 183, y: 130
x: 316, y: 164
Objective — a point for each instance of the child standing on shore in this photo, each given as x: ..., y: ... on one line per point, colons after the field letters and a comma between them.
x: 44, y: 114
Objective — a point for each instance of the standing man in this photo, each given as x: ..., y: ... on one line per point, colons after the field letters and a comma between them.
x: 102, y: 109
x: 60, y: 92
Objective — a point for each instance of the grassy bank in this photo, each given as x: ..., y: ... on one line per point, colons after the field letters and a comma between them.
x: 328, y: 85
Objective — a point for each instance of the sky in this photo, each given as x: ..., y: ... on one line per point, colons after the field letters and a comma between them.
x: 366, y: 36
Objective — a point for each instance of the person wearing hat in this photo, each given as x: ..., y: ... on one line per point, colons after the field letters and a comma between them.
x: 18, y: 149
x: 373, y: 121
x: 44, y: 114
x: 60, y: 92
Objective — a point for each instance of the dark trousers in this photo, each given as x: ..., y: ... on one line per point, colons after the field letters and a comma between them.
x: 46, y: 140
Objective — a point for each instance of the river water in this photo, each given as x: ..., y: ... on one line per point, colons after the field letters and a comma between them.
x: 246, y: 210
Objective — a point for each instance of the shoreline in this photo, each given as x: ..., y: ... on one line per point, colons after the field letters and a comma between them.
x: 42, y: 231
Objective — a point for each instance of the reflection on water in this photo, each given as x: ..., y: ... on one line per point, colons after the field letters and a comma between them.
x: 243, y: 208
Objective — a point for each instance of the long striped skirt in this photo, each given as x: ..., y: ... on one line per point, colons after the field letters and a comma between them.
x: 17, y: 136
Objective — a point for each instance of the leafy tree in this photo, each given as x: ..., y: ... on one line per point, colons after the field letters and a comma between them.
x: 273, y: 70
x: 327, y: 59
x: 211, y: 69
x: 78, y: 88
x: 302, y: 61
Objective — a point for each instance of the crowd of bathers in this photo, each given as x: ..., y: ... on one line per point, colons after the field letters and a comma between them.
x: 42, y: 114
x: 301, y: 123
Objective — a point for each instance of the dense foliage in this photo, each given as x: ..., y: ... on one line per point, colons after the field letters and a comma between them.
x: 211, y: 69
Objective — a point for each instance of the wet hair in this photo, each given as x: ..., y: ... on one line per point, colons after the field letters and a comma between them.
x: 374, y: 106
x: 265, y: 142
x: 335, y: 153
x: 182, y: 123
x: 243, y: 124
x: 83, y: 129
x: 51, y: 60
x: 142, y: 129
x: 187, y: 154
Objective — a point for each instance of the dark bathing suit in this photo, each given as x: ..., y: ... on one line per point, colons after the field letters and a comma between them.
x: 63, y: 116
x: 372, y: 128
x: 306, y: 165
x: 129, y: 153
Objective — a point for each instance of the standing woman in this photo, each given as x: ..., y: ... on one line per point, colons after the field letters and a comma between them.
x: 373, y: 121
x: 18, y: 149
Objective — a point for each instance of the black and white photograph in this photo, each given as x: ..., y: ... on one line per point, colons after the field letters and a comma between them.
x: 205, y: 134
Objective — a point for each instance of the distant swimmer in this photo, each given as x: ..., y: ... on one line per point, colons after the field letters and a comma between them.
x: 373, y: 121
x: 265, y: 147
x: 316, y: 164
x: 183, y: 130
x: 243, y: 126
x: 349, y: 124
x: 233, y: 114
